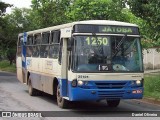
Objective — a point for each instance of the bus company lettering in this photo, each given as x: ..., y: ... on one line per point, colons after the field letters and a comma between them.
x: 117, y: 29
x: 48, y: 64
x: 83, y: 76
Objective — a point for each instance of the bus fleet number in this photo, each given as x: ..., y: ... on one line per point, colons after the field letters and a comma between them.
x: 97, y: 40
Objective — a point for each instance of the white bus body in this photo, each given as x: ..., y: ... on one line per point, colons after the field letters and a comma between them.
x: 55, y: 60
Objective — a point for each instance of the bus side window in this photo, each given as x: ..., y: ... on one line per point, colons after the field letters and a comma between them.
x: 19, y: 49
x: 55, y: 37
x: 44, y: 45
x: 29, y: 45
x: 36, y: 45
x: 54, y: 44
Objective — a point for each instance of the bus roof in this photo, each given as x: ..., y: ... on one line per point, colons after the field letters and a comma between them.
x: 91, y: 22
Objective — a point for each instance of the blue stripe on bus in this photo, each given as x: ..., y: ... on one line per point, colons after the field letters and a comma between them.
x: 23, y: 56
x: 90, y: 92
x: 63, y: 87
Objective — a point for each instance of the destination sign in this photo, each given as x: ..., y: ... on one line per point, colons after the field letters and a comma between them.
x: 115, y: 29
x: 109, y: 29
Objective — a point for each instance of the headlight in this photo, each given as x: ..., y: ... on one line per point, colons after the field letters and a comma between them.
x: 138, y: 82
x: 80, y: 83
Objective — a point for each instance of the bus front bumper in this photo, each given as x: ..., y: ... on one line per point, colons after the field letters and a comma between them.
x: 83, y: 94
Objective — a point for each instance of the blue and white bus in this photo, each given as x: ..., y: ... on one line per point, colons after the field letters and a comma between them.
x: 83, y: 61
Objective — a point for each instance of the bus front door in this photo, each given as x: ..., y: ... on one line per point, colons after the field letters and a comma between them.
x: 64, y: 69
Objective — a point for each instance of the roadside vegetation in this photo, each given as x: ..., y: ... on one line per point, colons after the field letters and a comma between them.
x: 5, y: 66
x: 152, y: 86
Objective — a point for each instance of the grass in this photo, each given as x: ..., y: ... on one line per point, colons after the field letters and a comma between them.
x: 152, y: 86
x: 5, y: 66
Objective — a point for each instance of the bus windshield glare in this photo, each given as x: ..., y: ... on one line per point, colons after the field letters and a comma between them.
x: 95, y: 53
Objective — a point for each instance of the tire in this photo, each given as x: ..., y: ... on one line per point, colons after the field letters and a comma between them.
x: 113, y: 103
x: 32, y: 91
x: 62, y: 103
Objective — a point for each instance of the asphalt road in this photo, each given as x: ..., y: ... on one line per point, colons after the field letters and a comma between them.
x: 14, y: 97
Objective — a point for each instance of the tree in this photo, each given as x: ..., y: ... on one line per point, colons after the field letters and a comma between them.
x: 96, y: 9
x: 3, y: 7
x: 148, y: 10
x: 47, y: 13
x: 15, y: 23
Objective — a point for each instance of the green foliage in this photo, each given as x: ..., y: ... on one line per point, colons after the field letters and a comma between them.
x: 5, y: 66
x: 47, y: 13
x: 148, y: 10
x: 95, y: 9
x: 15, y: 23
x: 3, y: 7
x: 151, y: 86
x: 11, y: 55
x: 3, y: 23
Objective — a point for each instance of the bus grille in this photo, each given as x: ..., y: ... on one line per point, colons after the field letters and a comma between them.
x: 111, y: 94
x: 110, y: 85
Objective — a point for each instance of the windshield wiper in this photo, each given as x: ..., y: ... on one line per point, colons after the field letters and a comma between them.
x: 119, y: 44
x: 100, y: 46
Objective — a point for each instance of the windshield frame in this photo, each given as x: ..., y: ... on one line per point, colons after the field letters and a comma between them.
x: 108, y: 35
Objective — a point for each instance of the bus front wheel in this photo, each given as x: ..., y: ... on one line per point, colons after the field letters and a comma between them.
x: 113, y: 103
x: 62, y: 103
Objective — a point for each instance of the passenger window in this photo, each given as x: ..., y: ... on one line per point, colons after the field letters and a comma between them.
x: 53, y: 51
x: 45, y: 38
x: 44, y: 48
x: 36, y: 45
x: 29, y: 46
x: 55, y: 37
x: 54, y: 44
x: 35, y: 51
x: 30, y: 40
x: 19, y: 49
x: 37, y: 39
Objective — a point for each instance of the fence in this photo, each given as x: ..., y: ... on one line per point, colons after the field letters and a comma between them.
x: 151, y: 59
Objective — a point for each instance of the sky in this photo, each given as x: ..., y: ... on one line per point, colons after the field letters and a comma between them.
x: 17, y: 3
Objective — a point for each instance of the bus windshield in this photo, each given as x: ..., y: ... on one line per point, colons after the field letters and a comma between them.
x: 95, y: 53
